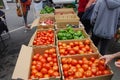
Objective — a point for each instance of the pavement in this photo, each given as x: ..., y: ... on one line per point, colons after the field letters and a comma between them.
x: 19, y: 37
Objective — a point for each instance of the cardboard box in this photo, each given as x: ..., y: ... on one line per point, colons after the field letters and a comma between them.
x: 34, y: 36
x: 101, y: 77
x: 21, y: 70
x: 62, y: 11
x: 75, y: 29
x: 23, y: 65
x: 92, y: 46
x: 63, y: 20
x: 44, y: 18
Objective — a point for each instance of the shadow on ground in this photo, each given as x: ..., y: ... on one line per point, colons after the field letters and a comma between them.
x: 9, y: 57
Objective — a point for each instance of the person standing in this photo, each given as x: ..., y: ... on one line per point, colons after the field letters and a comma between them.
x: 38, y: 6
x: 25, y: 7
x: 82, y: 7
x: 106, y: 19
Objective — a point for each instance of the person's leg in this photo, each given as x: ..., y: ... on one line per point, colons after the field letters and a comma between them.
x: 25, y: 19
x: 95, y: 40
x: 80, y: 14
x: 104, y: 45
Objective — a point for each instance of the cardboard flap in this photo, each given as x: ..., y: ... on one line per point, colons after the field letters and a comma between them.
x: 21, y: 70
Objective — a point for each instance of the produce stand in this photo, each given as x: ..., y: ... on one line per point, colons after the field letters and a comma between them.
x: 45, y: 62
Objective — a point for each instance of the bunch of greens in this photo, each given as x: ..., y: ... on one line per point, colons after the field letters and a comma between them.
x: 47, y: 9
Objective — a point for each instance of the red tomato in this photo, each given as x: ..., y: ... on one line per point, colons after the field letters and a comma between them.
x: 81, y: 70
x: 71, y: 44
x: 76, y: 43
x: 55, y: 74
x: 85, y: 67
x: 92, y: 59
x: 59, y: 44
x: 76, y: 49
x: 69, y: 60
x: 64, y: 60
x: 88, y: 73
x: 65, y: 67
x: 47, y: 66
x: 78, y: 75
x: 38, y: 67
x: 87, y: 41
x: 105, y: 72
x: 80, y: 62
x: 44, y: 71
x: 94, y: 70
x: 65, y: 73
x: 55, y: 68
x: 71, y: 52
x: 39, y: 75
x: 46, y: 76
x: 50, y: 72
x: 49, y: 59
x: 102, y: 62
x: 74, y: 62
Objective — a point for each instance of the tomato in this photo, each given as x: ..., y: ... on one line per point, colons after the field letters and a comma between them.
x: 69, y: 60
x: 70, y: 72
x: 74, y: 62
x: 102, y: 62
x: 34, y: 71
x: 51, y: 63
x: 81, y: 52
x: 50, y: 72
x: 47, y: 66
x: 54, y: 55
x: 71, y: 52
x: 39, y: 75
x: 38, y: 67
x: 62, y: 51
x: 71, y: 44
x: 34, y: 62
x: 55, y: 68
x: 55, y: 74
x: 76, y: 43
x: 44, y: 71
x: 105, y: 72
x: 46, y: 76
x: 65, y: 67
x: 33, y: 67
x: 52, y: 51
x: 87, y: 47
x: 32, y: 76
x: 45, y: 55
x: 64, y: 61
x: 85, y: 67
x: 59, y: 44
x: 92, y: 59
x: 55, y: 60
x: 65, y: 73
x: 81, y: 70
x: 76, y: 49
x: 49, y: 59
x: 43, y: 60
x: 87, y: 41
x: 98, y: 73
x: 88, y: 73
x: 80, y: 62
x: 101, y: 67
x: 78, y: 75
x: 94, y: 70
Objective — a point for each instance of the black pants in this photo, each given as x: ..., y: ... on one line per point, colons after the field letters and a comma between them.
x: 102, y: 43
x: 86, y: 23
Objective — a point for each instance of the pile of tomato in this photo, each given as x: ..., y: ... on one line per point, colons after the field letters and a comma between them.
x: 44, y: 66
x: 44, y: 37
x: 77, y: 47
x: 83, y: 68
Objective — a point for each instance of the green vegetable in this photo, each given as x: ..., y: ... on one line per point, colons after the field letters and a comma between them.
x: 81, y: 37
x: 79, y: 33
x: 64, y: 38
x: 76, y: 37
